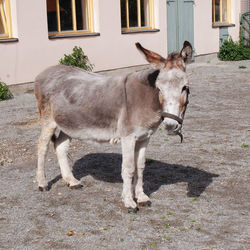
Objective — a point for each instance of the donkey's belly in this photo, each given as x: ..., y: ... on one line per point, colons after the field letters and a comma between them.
x: 91, y: 134
x: 86, y: 126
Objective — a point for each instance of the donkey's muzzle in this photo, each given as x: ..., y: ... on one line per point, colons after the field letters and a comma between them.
x: 171, y: 116
x: 174, y: 127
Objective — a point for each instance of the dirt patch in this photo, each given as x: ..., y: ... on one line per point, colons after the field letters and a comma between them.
x: 199, y: 189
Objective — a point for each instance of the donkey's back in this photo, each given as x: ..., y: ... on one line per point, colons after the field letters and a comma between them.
x: 72, y: 82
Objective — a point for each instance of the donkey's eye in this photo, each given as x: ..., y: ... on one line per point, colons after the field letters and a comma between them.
x: 185, y: 88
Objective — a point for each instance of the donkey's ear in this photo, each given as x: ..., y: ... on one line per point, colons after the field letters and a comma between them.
x: 151, y: 56
x: 186, y: 52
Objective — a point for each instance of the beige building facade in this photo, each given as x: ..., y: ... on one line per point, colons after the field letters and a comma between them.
x: 35, y: 34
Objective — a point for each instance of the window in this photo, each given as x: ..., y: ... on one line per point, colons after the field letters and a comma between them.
x: 221, y: 12
x: 5, y: 20
x: 137, y: 14
x: 67, y: 17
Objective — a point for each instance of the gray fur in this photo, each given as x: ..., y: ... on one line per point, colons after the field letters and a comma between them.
x: 74, y: 103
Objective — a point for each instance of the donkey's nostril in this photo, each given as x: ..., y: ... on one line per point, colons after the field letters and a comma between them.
x: 171, y: 127
x: 174, y: 127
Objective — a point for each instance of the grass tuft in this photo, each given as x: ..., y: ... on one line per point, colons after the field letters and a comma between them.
x: 242, y: 67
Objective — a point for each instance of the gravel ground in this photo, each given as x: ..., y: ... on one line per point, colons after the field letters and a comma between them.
x: 199, y: 189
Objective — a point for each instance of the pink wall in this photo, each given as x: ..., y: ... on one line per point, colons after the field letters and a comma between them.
x: 21, y: 61
x: 206, y: 38
x: 245, y: 6
x: 235, y: 15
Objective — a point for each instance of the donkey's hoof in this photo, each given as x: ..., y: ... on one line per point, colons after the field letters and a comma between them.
x: 46, y: 188
x: 133, y: 210
x: 78, y: 186
x: 145, y: 204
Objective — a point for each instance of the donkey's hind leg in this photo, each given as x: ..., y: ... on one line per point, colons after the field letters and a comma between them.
x: 48, y: 129
x: 61, y: 144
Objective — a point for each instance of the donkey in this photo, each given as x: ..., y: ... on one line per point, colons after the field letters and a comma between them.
x: 74, y: 103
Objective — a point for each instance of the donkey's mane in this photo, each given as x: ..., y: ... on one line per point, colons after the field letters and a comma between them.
x: 148, y: 76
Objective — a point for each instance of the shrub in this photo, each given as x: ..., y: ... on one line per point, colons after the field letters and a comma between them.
x: 233, y: 51
x: 5, y: 94
x: 77, y: 59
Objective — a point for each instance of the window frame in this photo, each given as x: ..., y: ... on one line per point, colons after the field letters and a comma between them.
x: 228, y: 20
x: 74, y: 31
x: 5, y: 15
x: 151, y: 18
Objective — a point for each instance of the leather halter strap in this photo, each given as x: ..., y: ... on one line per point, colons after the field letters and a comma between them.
x: 171, y: 116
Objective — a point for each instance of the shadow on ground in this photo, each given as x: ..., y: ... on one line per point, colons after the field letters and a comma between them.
x: 107, y: 167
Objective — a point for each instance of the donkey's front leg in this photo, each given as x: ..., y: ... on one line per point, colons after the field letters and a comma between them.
x: 128, y: 171
x: 140, y: 158
x: 62, y: 147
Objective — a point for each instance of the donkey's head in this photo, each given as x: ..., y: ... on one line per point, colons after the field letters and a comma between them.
x: 172, y: 83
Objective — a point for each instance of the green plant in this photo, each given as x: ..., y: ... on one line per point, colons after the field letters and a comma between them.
x: 166, y: 238
x: 170, y: 231
x: 233, y: 51
x: 77, y: 59
x: 244, y: 145
x: 242, y: 67
x: 152, y: 244
x: 167, y: 225
x: 195, y: 199
x: 5, y: 93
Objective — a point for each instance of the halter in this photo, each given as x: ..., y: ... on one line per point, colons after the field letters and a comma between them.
x: 171, y: 116
x: 176, y: 118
